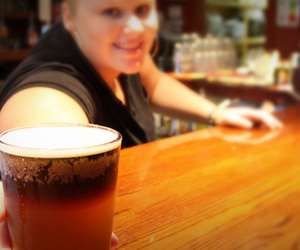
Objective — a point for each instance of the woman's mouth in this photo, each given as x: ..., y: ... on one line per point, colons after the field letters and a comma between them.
x: 130, y: 49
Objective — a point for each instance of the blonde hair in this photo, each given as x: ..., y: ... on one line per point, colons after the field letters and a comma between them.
x: 71, y: 4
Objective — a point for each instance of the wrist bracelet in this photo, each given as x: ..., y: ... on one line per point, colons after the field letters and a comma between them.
x: 212, y: 117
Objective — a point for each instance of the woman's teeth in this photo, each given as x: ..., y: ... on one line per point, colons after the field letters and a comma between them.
x: 129, y: 47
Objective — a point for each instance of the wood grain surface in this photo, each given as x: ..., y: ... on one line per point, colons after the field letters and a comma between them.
x: 217, y: 188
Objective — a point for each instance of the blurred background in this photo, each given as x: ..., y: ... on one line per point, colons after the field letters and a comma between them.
x: 243, y: 50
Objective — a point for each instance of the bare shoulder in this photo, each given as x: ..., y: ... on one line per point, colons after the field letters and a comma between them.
x: 36, y: 105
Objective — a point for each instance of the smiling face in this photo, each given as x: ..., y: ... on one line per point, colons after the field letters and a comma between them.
x: 115, y: 35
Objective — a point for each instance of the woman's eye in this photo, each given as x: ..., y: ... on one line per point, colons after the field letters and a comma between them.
x: 112, y: 12
x: 143, y: 10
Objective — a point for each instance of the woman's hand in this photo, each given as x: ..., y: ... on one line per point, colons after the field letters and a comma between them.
x: 114, y: 241
x: 5, y: 241
x: 245, y: 117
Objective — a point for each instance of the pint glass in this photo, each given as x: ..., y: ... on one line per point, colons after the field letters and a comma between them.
x: 59, y: 186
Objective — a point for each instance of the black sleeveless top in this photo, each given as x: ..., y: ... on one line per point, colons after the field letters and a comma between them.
x: 57, y: 62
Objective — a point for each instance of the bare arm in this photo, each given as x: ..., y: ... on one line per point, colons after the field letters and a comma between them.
x: 37, y: 105
x: 171, y: 95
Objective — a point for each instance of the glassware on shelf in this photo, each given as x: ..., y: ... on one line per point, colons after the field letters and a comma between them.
x: 203, y: 54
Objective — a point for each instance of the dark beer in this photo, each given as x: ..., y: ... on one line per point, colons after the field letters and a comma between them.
x: 60, y: 197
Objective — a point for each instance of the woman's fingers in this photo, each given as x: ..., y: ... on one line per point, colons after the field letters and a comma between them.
x: 114, y: 241
x: 247, y: 117
x: 5, y: 241
x: 258, y: 115
x: 230, y: 117
x: 239, y: 121
x: 4, y: 237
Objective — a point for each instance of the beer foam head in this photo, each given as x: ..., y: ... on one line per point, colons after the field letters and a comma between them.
x: 59, y: 141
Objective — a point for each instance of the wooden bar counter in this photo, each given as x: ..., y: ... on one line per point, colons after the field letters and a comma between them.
x: 218, y: 188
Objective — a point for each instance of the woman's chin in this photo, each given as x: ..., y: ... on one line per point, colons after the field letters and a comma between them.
x: 132, y: 69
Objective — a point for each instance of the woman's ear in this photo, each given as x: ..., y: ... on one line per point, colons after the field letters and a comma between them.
x: 68, y: 17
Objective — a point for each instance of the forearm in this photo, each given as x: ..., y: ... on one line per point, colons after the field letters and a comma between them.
x: 173, y: 97
x: 176, y: 99
x: 170, y: 95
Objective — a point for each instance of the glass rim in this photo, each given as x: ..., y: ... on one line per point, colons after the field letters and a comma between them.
x: 60, y: 152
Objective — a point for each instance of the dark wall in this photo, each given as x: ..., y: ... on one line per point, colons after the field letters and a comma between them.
x: 286, y: 40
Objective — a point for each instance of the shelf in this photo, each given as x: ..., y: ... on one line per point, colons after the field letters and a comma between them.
x: 260, y: 40
x: 237, y: 3
x: 13, y: 55
x: 243, y: 6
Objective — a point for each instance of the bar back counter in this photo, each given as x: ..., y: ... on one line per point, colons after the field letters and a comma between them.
x: 217, y: 188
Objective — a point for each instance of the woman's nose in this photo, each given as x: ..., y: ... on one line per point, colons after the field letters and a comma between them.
x: 134, y: 24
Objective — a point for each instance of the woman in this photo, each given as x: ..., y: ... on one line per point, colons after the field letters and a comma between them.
x: 96, y: 67
x: 90, y: 70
